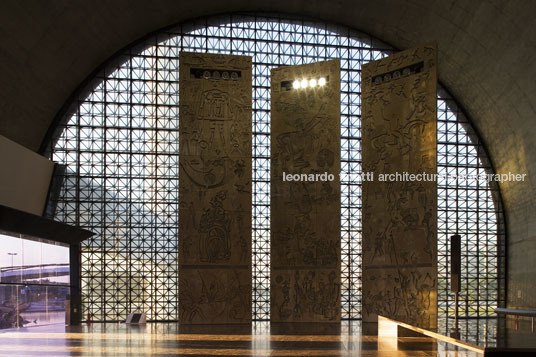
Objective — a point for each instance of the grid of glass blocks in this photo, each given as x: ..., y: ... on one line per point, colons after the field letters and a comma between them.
x: 469, y: 205
x: 119, y: 142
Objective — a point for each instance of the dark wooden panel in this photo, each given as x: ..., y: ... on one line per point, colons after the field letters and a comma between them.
x: 400, y: 214
x: 215, y: 189
x: 305, y: 216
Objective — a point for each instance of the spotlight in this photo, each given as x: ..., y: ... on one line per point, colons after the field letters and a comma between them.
x: 322, y: 81
x: 312, y: 83
x: 296, y: 84
x: 304, y: 83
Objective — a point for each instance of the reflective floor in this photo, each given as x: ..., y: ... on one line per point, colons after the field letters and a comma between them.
x: 350, y: 338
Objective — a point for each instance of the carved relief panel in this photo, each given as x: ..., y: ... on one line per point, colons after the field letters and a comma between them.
x: 400, y: 213
x: 305, y: 207
x: 215, y: 188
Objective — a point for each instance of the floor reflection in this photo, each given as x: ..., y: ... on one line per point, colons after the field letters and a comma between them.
x: 349, y: 338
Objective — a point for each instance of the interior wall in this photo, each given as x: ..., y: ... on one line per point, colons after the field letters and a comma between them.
x: 25, y: 177
x: 486, y: 52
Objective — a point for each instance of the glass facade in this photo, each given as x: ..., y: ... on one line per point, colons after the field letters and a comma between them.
x: 34, y: 282
x: 118, y: 140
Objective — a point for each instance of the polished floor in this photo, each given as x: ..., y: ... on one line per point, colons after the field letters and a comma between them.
x: 260, y: 339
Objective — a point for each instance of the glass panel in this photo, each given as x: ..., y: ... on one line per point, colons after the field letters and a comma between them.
x: 121, y: 145
x: 33, y: 282
x: 11, y: 259
x: 55, y: 264
x: 31, y: 261
x: 31, y: 305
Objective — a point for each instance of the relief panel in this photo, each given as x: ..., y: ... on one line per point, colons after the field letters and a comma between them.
x: 214, y: 188
x: 305, y: 215
x: 400, y: 217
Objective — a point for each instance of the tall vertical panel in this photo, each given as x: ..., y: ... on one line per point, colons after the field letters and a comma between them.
x: 215, y: 189
x: 305, y: 215
x: 400, y: 214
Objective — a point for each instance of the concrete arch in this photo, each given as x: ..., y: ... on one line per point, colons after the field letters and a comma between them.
x: 487, y: 57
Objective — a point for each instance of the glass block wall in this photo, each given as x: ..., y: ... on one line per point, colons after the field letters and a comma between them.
x: 118, y: 140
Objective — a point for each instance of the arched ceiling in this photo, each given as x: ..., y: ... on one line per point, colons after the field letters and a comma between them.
x: 487, y: 59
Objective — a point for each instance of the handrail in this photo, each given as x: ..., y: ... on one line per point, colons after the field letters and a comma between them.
x: 388, y: 340
x: 517, y: 312
x: 387, y: 329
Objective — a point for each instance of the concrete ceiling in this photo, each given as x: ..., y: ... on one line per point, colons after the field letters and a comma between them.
x: 487, y: 59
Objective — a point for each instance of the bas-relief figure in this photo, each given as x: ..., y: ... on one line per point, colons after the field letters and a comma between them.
x: 305, y: 216
x: 215, y: 296
x: 400, y: 218
x: 302, y: 294
x: 215, y: 189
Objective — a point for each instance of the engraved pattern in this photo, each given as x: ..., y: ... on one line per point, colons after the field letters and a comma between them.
x: 305, y: 216
x: 400, y: 217
x: 215, y: 191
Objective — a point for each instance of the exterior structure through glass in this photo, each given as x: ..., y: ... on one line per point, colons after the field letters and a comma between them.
x: 118, y: 139
x: 34, y: 281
